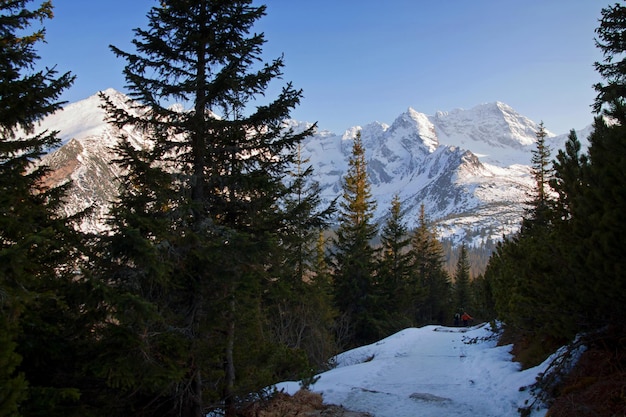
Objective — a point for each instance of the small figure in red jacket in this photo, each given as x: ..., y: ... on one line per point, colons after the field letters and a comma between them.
x: 466, y: 318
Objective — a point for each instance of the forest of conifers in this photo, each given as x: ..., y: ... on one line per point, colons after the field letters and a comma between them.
x: 219, y: 274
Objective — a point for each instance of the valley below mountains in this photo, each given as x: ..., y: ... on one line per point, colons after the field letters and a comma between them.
x: 470, y: 168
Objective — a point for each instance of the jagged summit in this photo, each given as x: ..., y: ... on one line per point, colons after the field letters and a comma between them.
x: 494, y: 131
x: 413, y: 123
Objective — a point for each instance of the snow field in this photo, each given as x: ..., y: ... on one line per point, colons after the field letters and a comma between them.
x: 427, y: 372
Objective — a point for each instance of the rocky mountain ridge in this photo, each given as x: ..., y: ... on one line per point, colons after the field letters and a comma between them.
x: 470, y: 168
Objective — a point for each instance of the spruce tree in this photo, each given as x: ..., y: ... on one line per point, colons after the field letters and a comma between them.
x: 430, y: 283
x: 353, y: 253
x: 568, y: 181
x: 539, y: 210
x: 299, y: 304
x: 393, y: 276
x: 306, y: 219
x: 570, y: 184
x: 599, y: 226
x: 462, y: 295
x: 40, y: 317
x: 531, y: 273
x: 538, y: 282
x: 199, y: 218
x: 611, y: 96
x: 600, y: 223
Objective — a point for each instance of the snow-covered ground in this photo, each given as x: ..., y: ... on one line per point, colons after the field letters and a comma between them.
x: 427, y: 372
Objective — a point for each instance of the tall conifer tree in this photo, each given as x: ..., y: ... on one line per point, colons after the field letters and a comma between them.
x: 527, y: 270
x: 36, y: 242
x: 462, y: 280
x: 430, y: 280
x: 538, y: 212
x: 611, y: 97
x: 570, y: 184
x: 601, y: 222
x: 353, y: 254
x: 199, y: 207
x: 299, y: 304
x: 393, y: 278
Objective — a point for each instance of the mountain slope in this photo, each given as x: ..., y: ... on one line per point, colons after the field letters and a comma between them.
x: 470, y: 168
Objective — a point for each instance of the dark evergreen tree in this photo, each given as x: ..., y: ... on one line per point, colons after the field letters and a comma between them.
x: 299, y: 304
x: 323, y: 285
x: 599, y: 226
x: 540, y: 209
x: 570, y: 184
x: 199, y: 220
x: 40, y: 292
x: 568, y: 180
x: 599, y: 223
x: 611, y: 93
x: 353, y: 253
x: 430, y: 283
x: 393, y: 277
x: 14, y: 385
x: 462, y: 279
x: 303, y: 225
x: 321, y: 268
x: 528, y: 273
x: 483, y: 306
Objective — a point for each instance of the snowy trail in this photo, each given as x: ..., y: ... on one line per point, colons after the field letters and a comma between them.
x: 431, y: 371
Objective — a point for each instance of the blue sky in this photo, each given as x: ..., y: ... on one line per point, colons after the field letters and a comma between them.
x: 364, y: 61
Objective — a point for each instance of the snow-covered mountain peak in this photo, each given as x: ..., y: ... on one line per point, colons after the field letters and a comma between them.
x: 351, y: 133
x: 114, y: 95
x: 77, y: 120
x: 416, y: 126
x: 493, y: 131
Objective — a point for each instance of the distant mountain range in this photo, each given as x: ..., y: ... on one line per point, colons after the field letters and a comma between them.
x: 470, y: 168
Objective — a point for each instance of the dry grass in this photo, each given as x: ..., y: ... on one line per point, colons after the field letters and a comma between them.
x: 596, y: 386
x: 302, y: 404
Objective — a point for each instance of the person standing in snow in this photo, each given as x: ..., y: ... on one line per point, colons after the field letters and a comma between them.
x: 457, y: 319
x: 466, y: 318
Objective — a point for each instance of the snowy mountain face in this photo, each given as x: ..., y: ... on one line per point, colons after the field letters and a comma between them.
x: 86, y: 156
x: 470, y: 168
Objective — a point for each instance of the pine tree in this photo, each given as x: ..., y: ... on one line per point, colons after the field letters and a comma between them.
x: 299, y: 305
x: 462, y: 280
x: 539, y: 210
x: 430, y: 281
x: 353, y: 254
x: 393, y: 277
x: 532, y: 274
x: 303, y: 225
x: 599, y: 226
x: 611, y: 96
x: 199, y: 208
x: 569, y: 183
x: 599, y: 223
x: 36, y: 243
